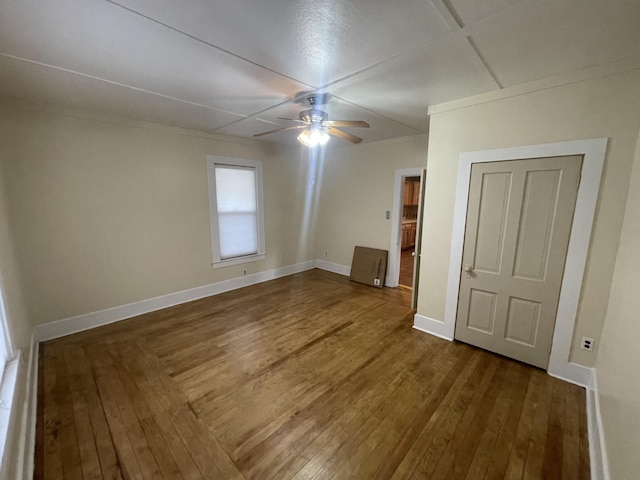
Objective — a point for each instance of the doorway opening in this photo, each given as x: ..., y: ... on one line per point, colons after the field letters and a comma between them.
x: 406, y: 230
x: 410, y: 203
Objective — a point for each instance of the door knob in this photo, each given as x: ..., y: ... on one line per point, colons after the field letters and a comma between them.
x: 468, y: 269
x: 413, y: 254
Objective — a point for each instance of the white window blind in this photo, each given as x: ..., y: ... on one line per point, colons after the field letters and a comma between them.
x: 237, y: 207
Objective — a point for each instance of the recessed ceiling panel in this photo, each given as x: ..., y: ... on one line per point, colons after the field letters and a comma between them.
x: 381, y: 128
x: 247, y: 127
x: 470, y: 11
x: 542, y: 38
x: 104, y: 40
x: 314, y: 42
x: 41, y: 84
x: 403, y: 88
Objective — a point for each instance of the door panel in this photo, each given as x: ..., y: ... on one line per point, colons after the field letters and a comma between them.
x: 482, y: 311
x: 536, y: 225
x: 518, y: 225
x: 523, y: 320
x: 494, y: 196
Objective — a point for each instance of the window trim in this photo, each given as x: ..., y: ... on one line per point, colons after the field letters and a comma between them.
x: 212, y: 161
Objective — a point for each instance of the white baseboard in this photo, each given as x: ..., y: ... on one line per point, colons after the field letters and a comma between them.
x: 87, y: 321
x: 29, y: 416
x: 431, y: 326
x: 597, y: 447
x: 333, y: 267
x: 572, y: 373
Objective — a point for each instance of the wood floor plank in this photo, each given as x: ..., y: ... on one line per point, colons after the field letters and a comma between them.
x: 309, y: 376
x: 539, y: 430
x: 205, y: 449
x: 346, y: 416
x: 135, y: 459
x: 488, y: 438
x: 81, y: 367
x: 333, y: 410
x: 442, y: 407
x: 52, y: 457
x: 554, y: 451
x: 38, y: 467
x: 500, y: 456
x: 579, y: 397
x: 88, y: 452
x: 438, y: 460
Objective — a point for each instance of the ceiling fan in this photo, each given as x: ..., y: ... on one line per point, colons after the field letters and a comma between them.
x: 316, y: 126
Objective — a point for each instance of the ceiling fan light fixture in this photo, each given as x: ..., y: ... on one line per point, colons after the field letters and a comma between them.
x: 313, y: 137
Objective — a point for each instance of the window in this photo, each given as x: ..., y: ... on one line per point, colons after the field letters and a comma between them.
x: 236, y: 210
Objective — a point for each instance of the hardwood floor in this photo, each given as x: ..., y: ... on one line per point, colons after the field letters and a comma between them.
x: 305, y: 377
x: 406, y: 268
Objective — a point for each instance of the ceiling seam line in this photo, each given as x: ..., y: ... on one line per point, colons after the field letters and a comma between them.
x: 424, y: 44
x: 255, y: 114
x: 484, y: 61
x: 454, y: 13
x: 204, y: 42
x: 381, y: 115
x: 119, y: 84
x: 446, y: 14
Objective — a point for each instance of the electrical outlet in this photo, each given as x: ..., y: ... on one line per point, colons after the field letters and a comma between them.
x: 376, y: 281
x: 587, y: 344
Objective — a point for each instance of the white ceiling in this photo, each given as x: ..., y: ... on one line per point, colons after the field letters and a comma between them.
x: 234, y: 66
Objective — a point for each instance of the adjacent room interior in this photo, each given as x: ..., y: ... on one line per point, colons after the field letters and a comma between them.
x: 181, y: 192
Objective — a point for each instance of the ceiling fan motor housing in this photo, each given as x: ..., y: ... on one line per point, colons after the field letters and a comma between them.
x: 313, y: 116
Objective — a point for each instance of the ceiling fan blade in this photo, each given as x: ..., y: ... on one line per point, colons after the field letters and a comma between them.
x: 292, y: 120
x: 343, y: 135
x: 346, y: 123
x: 279, y: 130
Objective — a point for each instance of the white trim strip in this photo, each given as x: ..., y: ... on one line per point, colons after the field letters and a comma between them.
x: 431, y: 326
x: 597, y: 448
x: 334, y: 267
x: 26, y: 453
x: 87, y: 321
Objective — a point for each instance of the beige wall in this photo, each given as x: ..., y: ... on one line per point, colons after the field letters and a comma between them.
x: 606, y: 107
x: 356, y: 190
x: 106, y: 212
x: 619, y: 356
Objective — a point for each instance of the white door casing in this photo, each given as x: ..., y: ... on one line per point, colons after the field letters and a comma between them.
x: 417, y: 248
x: 593, y: 152
x: 517, y: 233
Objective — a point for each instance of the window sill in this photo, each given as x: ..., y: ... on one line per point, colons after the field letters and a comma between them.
x: 239, y: 260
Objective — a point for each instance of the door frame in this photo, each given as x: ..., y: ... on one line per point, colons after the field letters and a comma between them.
x: 395, y: 247
x: 593, y: 151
